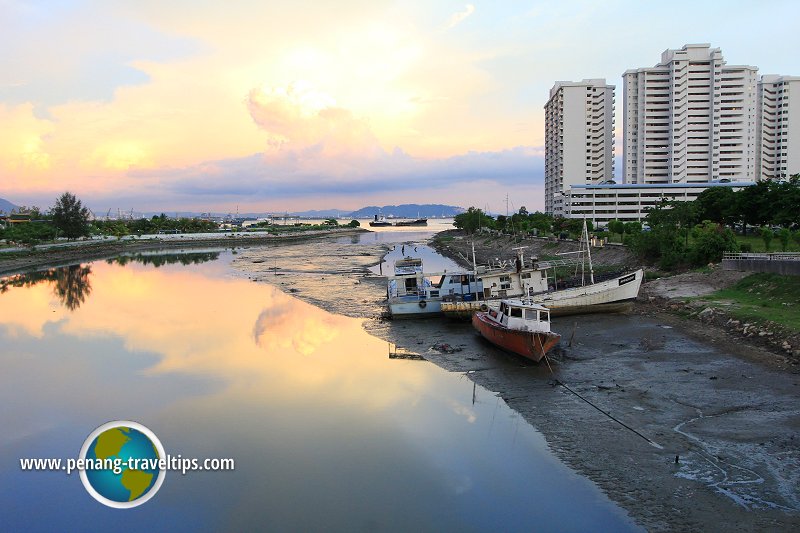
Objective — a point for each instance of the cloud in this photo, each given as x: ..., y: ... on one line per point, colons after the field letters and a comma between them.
x: 307, y: 177
x: 297, y: 118
x: 458, y: 18
x: 64, y: 51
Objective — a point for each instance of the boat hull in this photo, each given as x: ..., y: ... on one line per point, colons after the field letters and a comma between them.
x: 415, y: 308
x: 612, y: 296
x: 418, y: 222
x: 528, y: 344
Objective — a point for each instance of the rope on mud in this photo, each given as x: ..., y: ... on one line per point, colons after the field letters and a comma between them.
x: 609, y: 415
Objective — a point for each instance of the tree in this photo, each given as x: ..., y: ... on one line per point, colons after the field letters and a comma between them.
x: 70, y: 217
x: 541, y: 222
x: 472, y: 220
x: 784, y: 199
x: 354, y: 223
x: 752, y: 204
x: 501, y: 223
x: 616, y: 226
x: 784, y: 235
x: 716, y: 204
x: 633, y: 227
x: 766, y: 236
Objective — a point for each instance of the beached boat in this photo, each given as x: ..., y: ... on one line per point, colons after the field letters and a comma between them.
x: 380, y: 222
x: 518, y: 326
x: 537, y: 282
x: 413, y: 293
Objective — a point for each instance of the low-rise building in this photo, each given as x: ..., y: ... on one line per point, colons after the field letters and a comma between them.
x: 627, y: 202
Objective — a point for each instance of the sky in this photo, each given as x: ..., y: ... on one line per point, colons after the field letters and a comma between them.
x: 273, y: 105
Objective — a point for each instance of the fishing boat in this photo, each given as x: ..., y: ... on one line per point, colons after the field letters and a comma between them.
x: 380, y: 222
x: 518, y: 326
x: 413, y: 293
x: 536, y: 281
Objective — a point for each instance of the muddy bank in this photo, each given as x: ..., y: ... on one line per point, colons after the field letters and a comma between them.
x: 728, y: 414
x: 689, y: 296
x: 39, y: 257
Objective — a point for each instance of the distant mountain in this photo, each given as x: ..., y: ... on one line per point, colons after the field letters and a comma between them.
x: 395, y: 211
x: 408, y: 211
x: 323, y: 213
x: 6, y: 206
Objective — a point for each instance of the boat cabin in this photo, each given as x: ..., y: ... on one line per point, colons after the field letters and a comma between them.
x: 521, y: 315
x: 510, y: 283
x: 410, y: 282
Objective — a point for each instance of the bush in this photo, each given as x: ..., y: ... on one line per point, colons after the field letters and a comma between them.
x: 354, y: 224
x: 709, y: 241
x: 745, y: 247
x: 766, y: 235
x: 30, y: 232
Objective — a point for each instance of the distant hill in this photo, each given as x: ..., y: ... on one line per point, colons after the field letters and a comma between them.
x: 323, y: 213
x: 6, y: 206
x: 409, y: 211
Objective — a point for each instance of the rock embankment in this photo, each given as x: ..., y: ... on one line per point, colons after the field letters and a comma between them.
x: 767, y: 334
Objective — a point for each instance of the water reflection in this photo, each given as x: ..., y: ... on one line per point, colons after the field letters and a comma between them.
x: 157, y: 260
x: 70, y: 283
x: 327, y: 432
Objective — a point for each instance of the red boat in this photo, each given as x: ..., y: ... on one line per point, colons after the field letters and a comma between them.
x: 519, y: 327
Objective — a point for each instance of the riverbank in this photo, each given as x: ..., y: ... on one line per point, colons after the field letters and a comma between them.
x: 457, y: 245
x: 728, y: 412
x: 698, y: 297
x: 39, y: 257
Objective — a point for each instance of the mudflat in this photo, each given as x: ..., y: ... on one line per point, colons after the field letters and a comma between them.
x: 712, y: 440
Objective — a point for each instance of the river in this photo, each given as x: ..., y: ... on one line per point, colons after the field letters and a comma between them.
x: 327, y: 431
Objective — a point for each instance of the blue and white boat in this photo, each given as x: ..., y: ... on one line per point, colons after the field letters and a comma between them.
x: 414, y: 293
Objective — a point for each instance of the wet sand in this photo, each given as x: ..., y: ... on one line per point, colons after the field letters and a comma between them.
x: 729, y: 413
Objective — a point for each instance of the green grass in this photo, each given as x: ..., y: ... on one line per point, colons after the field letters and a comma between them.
x: 761, y: 297
x: 758, y: 243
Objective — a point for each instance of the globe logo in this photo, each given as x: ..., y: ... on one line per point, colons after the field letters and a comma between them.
x: 123, y: 461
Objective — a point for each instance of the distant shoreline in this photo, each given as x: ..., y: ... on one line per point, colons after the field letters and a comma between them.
x: 37, y: 258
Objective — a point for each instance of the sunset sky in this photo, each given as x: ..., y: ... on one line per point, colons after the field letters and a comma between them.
x: 290, y: 105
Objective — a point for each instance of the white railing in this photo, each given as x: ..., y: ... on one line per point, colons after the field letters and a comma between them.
x: 774, y: 256
x: 558, y: 262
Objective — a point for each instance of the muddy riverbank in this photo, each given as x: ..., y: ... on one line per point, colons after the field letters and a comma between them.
x: 458, y: 246
x: 726, y: 412
x: 67, y: 253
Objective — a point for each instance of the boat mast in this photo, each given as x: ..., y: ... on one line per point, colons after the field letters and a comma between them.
x: 474, y: 263
x: 588, y: 250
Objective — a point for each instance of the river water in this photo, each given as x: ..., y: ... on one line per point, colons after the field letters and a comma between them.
x: 327, y: 431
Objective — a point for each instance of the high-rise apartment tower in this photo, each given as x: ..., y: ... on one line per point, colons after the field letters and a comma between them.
x: 778, y: 154
x: 690, y: 119
x: 579, y: 136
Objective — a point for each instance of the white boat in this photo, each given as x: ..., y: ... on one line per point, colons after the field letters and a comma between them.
x: 537, y: 282
x: 414, y: 293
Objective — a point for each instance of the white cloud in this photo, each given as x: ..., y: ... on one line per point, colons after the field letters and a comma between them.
x: 458, y: 18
